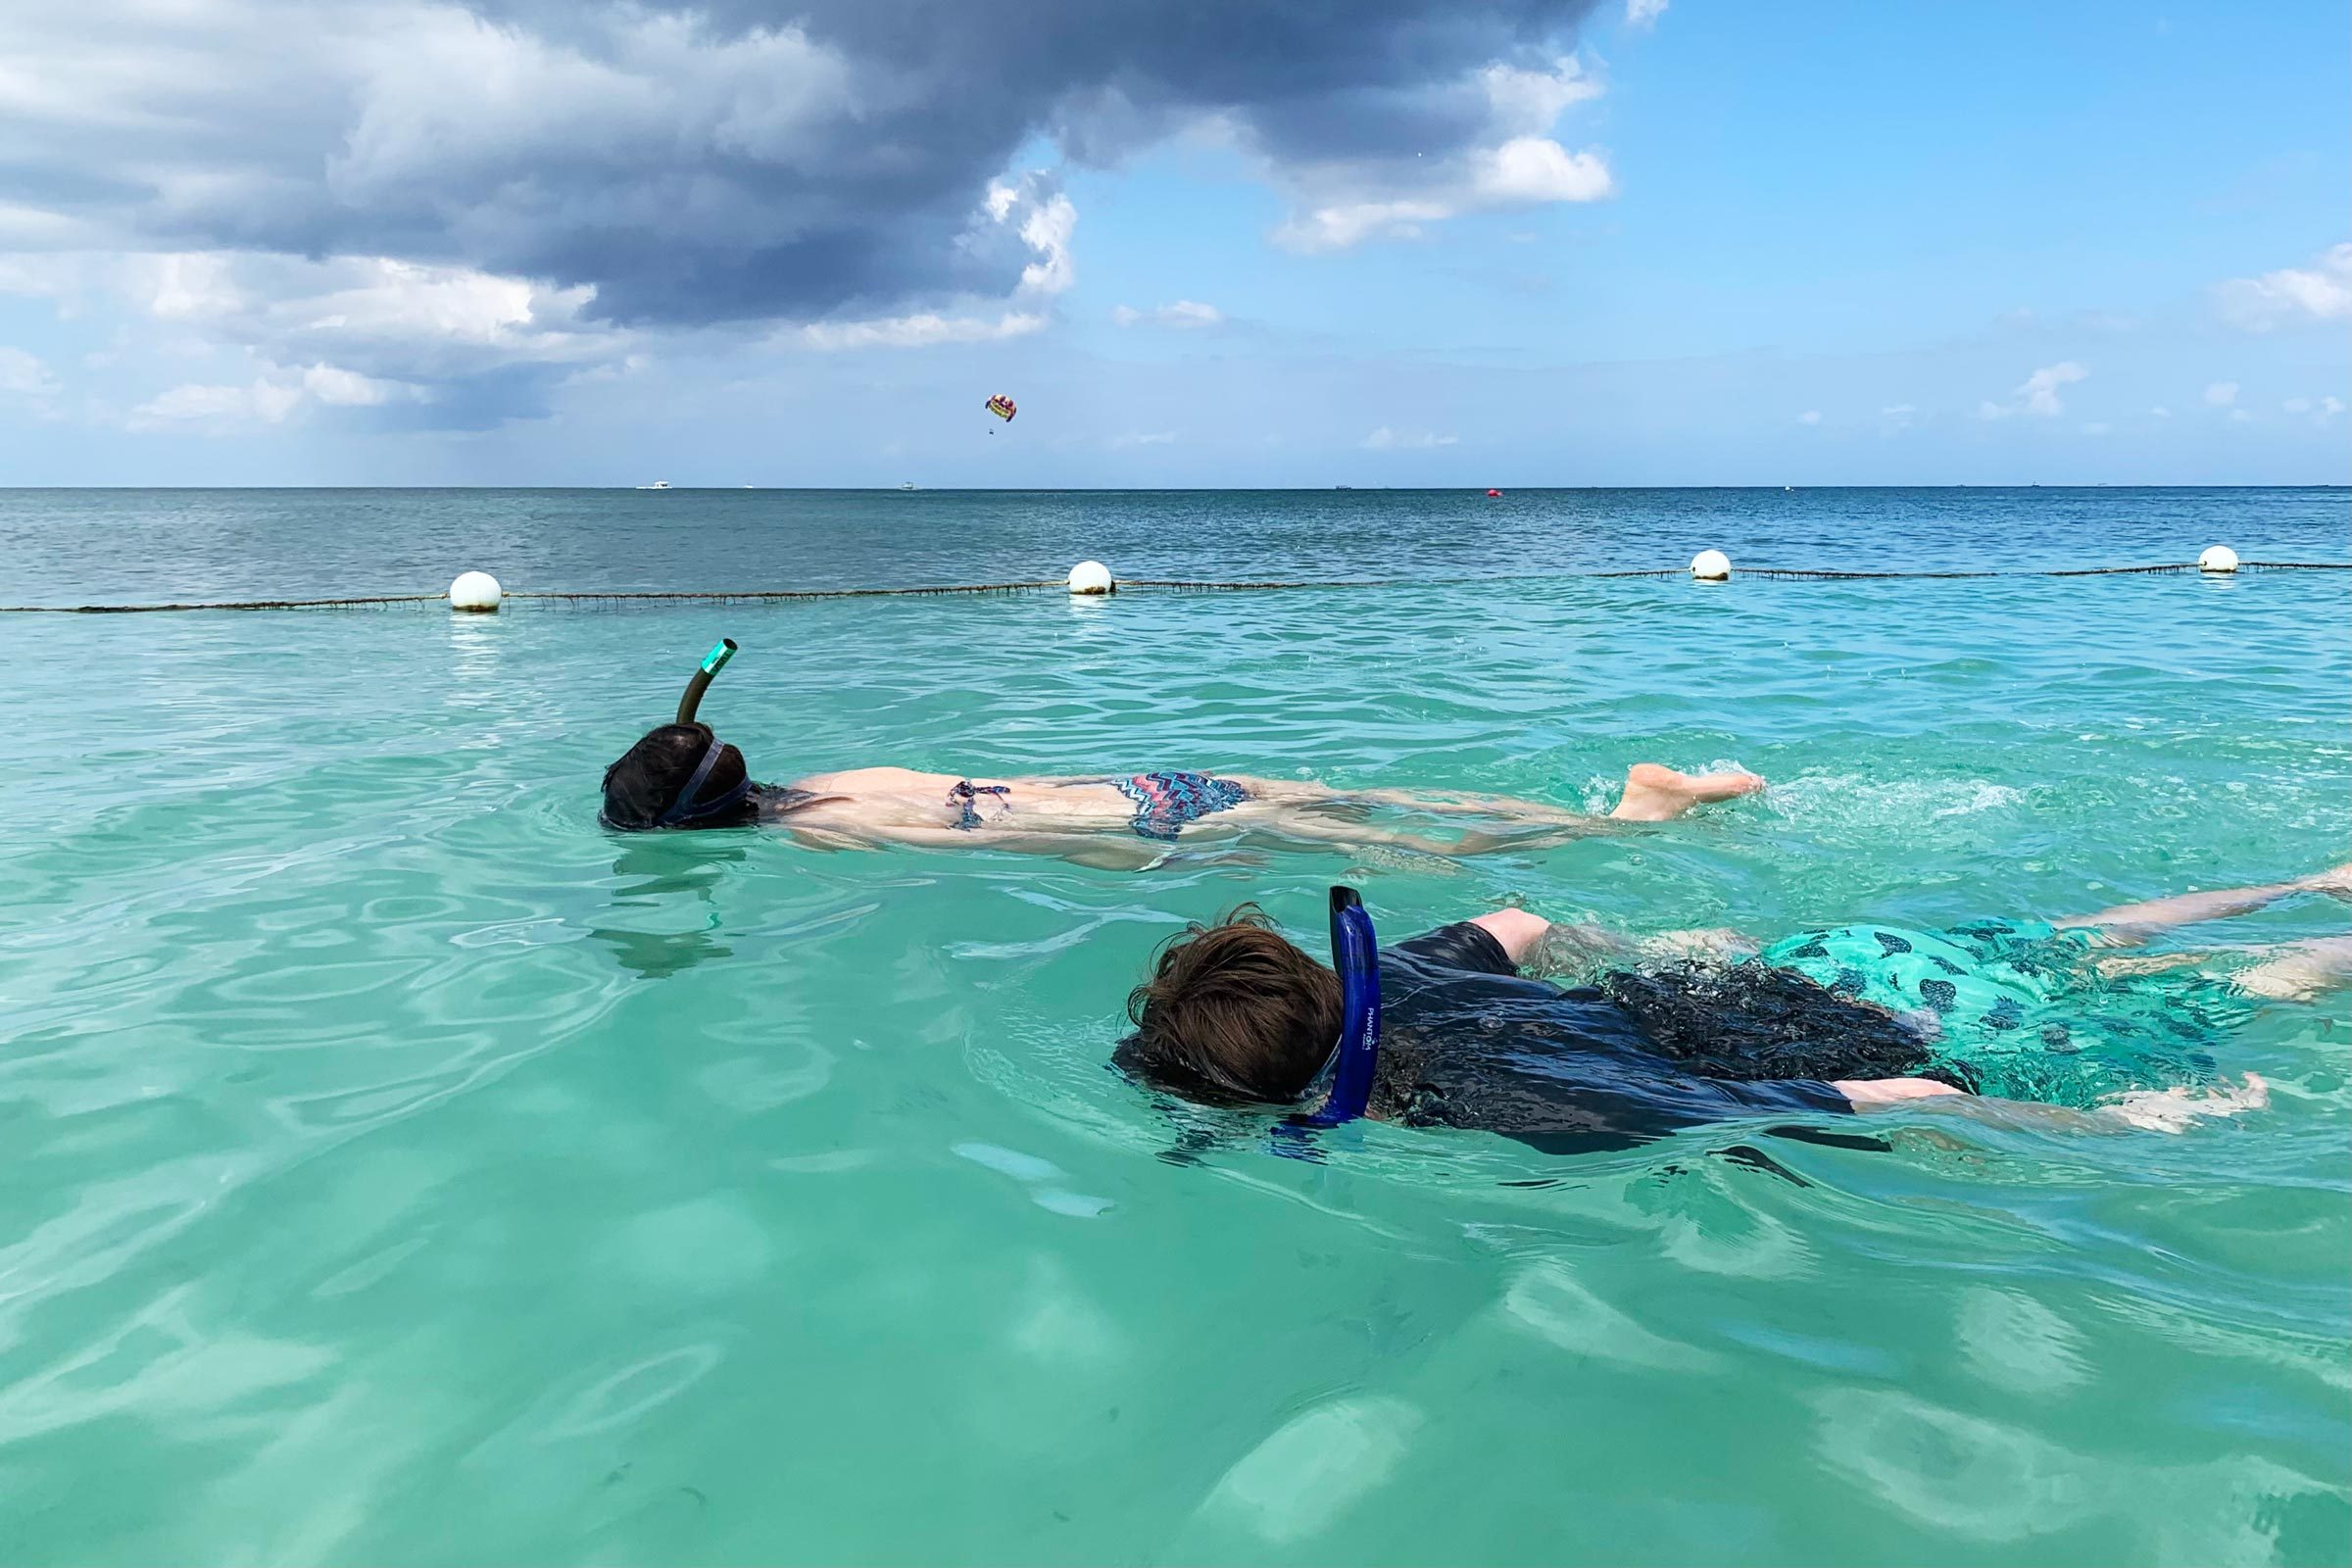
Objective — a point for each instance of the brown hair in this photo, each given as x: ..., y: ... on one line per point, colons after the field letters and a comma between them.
x: 1232, y: 1012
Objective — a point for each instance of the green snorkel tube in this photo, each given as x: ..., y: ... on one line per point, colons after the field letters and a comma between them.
x: 712, y: 663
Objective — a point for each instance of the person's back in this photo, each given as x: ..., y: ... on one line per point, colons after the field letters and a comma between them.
x: 1469, y: 1042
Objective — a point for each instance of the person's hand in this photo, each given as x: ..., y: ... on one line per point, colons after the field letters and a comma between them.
x: 1889, y: 1090
x: 2171, y: 1110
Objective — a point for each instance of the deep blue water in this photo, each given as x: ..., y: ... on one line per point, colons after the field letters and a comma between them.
x: 79, y: 546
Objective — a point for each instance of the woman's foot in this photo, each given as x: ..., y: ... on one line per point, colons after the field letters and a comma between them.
x: 1655, y: 794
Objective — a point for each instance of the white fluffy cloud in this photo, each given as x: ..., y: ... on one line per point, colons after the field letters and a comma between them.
x: 1183, y: 315
x: 383, y: 320
x: 1518, y: 164
x: 2220, y: 394
x: 923, y: 330
x: 477, y: 347
x: 1644, y: 13
x: 1525, y: 172
x: 2321, y: 292
x: 271, y: 398
x: 2036, y: 394
x: 1385, y: 439
x: 23, y: 375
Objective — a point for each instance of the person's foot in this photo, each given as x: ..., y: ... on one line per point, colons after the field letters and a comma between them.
x: 1655, y: 794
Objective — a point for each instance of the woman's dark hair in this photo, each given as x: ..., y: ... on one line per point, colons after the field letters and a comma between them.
x: 1754, y: 1021
x: 1233, y: 1014
x: 642, y: 787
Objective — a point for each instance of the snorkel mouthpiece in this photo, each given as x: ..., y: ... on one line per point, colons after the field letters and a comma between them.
x: 712, y: 663
x: 1357, y: 956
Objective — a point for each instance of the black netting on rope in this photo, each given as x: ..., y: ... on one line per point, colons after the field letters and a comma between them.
x: 736, y: 596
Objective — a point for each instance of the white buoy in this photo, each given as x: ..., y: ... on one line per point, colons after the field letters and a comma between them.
x: 2218, y: 558
x: 1711, y: 566
x: 1091, y: 577
x: 475, y: 590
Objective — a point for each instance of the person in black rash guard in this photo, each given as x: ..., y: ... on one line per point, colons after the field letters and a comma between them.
x: 1235, y: 1014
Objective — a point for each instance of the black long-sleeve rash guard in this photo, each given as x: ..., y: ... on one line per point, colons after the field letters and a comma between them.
x: 1467, y: 1041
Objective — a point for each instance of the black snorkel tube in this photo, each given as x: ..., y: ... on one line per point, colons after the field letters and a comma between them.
x: 1357, y: 956
x: 686, y: 807
x: 712, y: 663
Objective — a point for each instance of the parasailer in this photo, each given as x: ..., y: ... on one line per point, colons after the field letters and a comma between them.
x: 1003, y: 408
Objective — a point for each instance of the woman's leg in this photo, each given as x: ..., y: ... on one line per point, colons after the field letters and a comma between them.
x: 1651, y: 794
x: 2129, y: 924
x: 2300, y: 971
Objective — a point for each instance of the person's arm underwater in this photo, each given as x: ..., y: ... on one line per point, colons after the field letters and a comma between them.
x: 1561, y: 947
x: 2157, y: 1110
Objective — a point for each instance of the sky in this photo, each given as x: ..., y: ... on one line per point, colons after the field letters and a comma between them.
x: 1199, y: 242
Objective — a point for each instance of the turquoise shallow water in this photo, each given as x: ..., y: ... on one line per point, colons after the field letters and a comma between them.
x: 405, y: 1170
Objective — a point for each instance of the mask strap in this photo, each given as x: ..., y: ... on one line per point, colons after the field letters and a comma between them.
x: 683, y: 809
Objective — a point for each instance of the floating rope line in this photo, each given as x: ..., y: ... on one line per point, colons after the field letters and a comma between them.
x: 733, y: 596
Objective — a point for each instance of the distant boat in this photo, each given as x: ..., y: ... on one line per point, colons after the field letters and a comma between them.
x: 1342, y: 488
x: 658, y: 484
x: 906, y: 484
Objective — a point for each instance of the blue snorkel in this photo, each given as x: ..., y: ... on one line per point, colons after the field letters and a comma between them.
x: 1357, y: 956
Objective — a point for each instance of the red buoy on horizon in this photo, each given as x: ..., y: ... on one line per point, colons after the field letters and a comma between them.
x: 1493, y: 495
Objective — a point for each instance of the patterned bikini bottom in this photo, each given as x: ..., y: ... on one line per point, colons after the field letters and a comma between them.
x: 1165, y: 802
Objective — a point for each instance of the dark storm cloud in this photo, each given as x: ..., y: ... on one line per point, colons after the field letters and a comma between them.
x: 738, y: 161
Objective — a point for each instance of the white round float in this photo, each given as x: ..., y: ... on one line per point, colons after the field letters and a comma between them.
x: 2218, y: 559
x: 475, y: 591
x: 1711, y: 566
x: 1091, y: 577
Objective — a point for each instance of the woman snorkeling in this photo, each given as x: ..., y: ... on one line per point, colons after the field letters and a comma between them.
x: 682, y: 775
x: 1703, y: 1026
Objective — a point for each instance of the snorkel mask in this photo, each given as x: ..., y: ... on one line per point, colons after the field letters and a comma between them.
x: 1356, y: 955
x: 686, y: 807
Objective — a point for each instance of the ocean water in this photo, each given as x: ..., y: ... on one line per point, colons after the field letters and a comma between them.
x: 402, y: 1170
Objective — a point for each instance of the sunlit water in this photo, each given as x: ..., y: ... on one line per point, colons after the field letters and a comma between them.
x: 402, y: 1170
